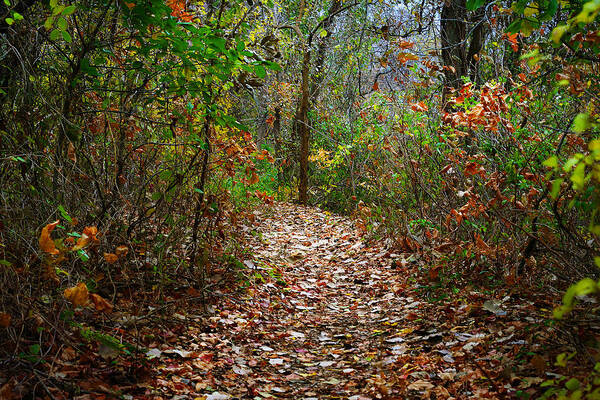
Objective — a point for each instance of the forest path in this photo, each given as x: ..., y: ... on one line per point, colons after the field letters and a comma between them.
x: 329, y: 322
x: 328, y: 316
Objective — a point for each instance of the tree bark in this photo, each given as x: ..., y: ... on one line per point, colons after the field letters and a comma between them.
x: 310, y: 87
x: 302, y: 128
x: 459, y: 51
x: 453, y: 34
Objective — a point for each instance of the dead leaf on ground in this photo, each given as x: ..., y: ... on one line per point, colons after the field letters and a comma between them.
x: 77, y: 295
x: 111, y: 258
x: 100, y: 303
x: 45, y: 240
x: 4, y: 320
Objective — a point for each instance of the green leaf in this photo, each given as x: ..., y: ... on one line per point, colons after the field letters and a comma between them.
x: 9, y: 21
x: 515, y: 26
x: 578, y: 176
x: 323, y: 33
x: 7, y: 2
x: 17, y: 16
x: 581, y: 123
x: 552, y: 162
x: 55, y: 35
x: 68, y: 10
x: 83, y: 256
x: 584, y: 287
x: 61, y: 23
x: 34, y: 349
x: 558, y: 32
x: 571, y: 162
x: 48, y: 23
x: 572, y: 384
x: 53, y: 3
x: 64, y: 214
x: 217, y: 42
x: 260, y: 71
x: 556, y: 188
x: 473, y: 5
x: 66, y: 36
x: 57, y: 10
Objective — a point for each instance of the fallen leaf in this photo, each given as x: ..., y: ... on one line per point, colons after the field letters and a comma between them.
x: 46, y: 242
x: 420, y: 386
x: 4, y: 320
x: 111, y: 258
x: 121, y: 251
x: 100, y: 303
x: 217, y: 396
x: 87, y: 236
x: 108, y: 352
x: 77, y: 295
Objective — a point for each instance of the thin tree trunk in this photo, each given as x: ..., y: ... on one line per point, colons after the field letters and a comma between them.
x: 302, y: 128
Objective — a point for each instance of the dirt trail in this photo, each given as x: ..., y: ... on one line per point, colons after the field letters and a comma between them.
x: 328, y: 324
x: 329, y: 317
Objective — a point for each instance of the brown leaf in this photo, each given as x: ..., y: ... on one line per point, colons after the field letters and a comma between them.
x: 539, y: 363
x: 4, y: 320
x: 71, y: 153
x: 77, y: 295
x: 100, y: 303
x: 121, y: 251
x: 46, y: 242
x: 7, y: 390
x: 49, y: 273
x: 111, y: 258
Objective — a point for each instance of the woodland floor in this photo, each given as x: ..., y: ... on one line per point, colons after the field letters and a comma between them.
x: 338, y: 319
x: 328, y: 316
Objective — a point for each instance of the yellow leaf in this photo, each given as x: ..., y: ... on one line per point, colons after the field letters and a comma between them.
x: 100, y: 303
x: 77, y: 295
x: 558, y: 33
x: 46, y: 242
x: 111, y: 258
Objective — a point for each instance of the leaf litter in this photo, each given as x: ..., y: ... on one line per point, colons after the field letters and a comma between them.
x: 330, y: 315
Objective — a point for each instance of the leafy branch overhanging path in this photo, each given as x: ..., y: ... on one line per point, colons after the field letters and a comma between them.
x: 333, y: 318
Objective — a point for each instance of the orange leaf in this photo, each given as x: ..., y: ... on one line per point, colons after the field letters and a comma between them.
x: 91, y: 231
x: 4, y: 320
x: 420, y: 106
x: 77, y: 295
x: 46, y: 242
x: 100, y: 303
x: 111, y: 258
x: 376, y: 86
x: 254, y: 178
x: 88, y: 235
x: 121, y: 251
x: 404, y: 57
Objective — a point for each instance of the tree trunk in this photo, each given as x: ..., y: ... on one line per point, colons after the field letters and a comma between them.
x: 453, y: 34
x: 302, y: 128
x: 310, y: 88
